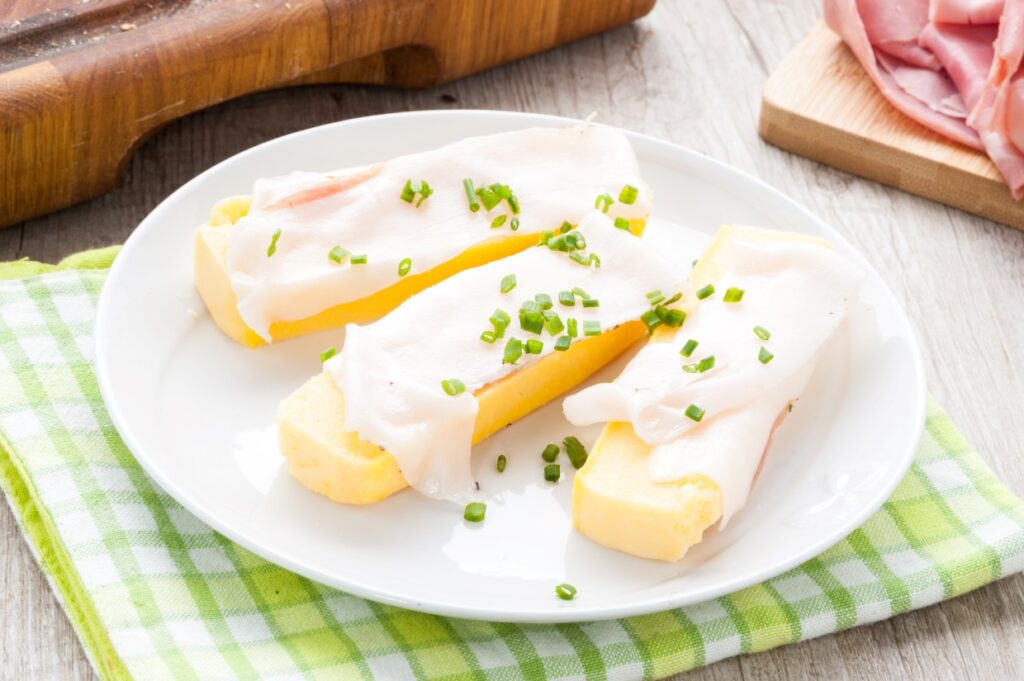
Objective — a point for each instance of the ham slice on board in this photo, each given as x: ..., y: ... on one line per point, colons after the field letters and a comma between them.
x: 951, y: 65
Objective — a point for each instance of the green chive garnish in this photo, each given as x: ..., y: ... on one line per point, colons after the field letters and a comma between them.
x: 552, y: 472
x: 595, y: 260
x: 604, y: 202
x: 545, y: 237
x: 694, y: 412
x: 575, y: 450
x: 358, y: 259
x: 544, y: 300
x: 708, y: 290
x: 488, y: 336
x: 565, y: 591
x: 337, y: 254
x: 764, y: 356
x: 674, y: 318
x: 591, y: 327
x: 591, y: 302
x: 500, y: 319
x: 513, y: 351
x: 513, y: 203
x: 553, y: 322
x: 691, y: 368
x: 508, y: 282
x: 453, y: 386
x: 689, y: 347
x: 662, y: 312
x: 272, y: 248
x: 475, y: 512
x: 581, y: 259
x: 566, y: 227
x: 471, y: 195
x: 404, y: 267
x: 623, y: 223
x: 498, y: 221
x: 411, y: 189
x: 571, y: 327
x: 407, y: 193
x: 651, y: 319
x: 762, y: 333
x: 514, y: 225
x: 502, y: 462
x: 488, y: 197
x: 580, y: 293
x: 628, y: 194
x: 534, y: 346
x: 327, y: 354
x: 706, y: 364
x: 550, y: 453
x: 733, y: 295
x: 566, y: 298
x: 562, y: 344
x: 656, y: 296
x: 531, y: 317
x: 673, y: 299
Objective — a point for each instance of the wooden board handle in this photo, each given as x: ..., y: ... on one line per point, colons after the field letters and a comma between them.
x: 83, y: 85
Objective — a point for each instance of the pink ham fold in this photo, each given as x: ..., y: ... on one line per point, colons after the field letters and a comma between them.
x: 966, y: 11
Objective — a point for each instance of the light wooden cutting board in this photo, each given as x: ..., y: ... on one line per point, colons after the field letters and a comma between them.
x: 819, y: 103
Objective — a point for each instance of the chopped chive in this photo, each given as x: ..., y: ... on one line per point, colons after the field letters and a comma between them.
x: 733, y: 295
x: 673, y: 299
x: 591, y: 327
x: 566, y: 227
x: 694, y: 412
x: 513, y: 203
x: 628, y: 194
x: 708, y: 290
x: 566, y: 298
x: 651, y: 320
x: 563, y: 343
x: 580, y: 293
x: 764, y: 356
x: 534, y: 346
x: 691, y: 368
x: 337, y: 254
x: 508, y: 282
x: 358, y: 259
x: 571, y: 327
x: 675, y: 318
x: 575, y: 450
x: 550, y: 453
x: 552, y: 472
x: 572, y: 240
x: 453, y: 386
x: 488, y: 336
x: 404, y: 267
x: 532, y: 322
x: 498, y: 221
x: 502, y: 190
x: 488, y: 197
x: 553, y: 322
x: 623, y: 224
x: 502, y: 462
x: 544, y: 300
x: 689, y: 347
x: 565, y: 591
x: 706, y: 364
x: 656, y: 296
x: 514, y: 224
x: 604, y: 202
x: 545, y: 237
x: 411, y: 189
x: 558, y: 243
x: 474, y: 205
x: 581, y: 259
x: 407, y: 193
x: 591, y: 302
x: 272, y: 248
x: 595, y: 260
x: 662, y: 312
x: 500, y: 319
x: 762, y: 333
x: 475, y: 512
x: 513, y: 351
x: 327, y: 354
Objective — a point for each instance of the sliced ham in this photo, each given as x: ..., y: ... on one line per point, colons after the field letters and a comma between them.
x: 966, y: 11
x: 965, y: 52
x: 893, y: 27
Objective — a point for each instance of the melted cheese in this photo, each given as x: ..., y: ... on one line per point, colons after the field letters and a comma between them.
x: 555, y: 174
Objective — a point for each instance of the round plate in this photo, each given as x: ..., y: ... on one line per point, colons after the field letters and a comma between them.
x: 197, y: 410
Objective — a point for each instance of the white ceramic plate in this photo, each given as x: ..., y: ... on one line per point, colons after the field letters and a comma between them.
x: 196, y: 409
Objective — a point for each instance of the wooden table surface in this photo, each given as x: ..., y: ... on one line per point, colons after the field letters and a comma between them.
x: 691, y: 72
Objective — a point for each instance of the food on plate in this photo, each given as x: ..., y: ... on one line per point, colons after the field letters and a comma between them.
x: 692, y: 414
x: 309, y: 251
x: 406, y: 397
x: 951, y: 65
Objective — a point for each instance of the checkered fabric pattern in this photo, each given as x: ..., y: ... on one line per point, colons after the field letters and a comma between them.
x: 155, y: 594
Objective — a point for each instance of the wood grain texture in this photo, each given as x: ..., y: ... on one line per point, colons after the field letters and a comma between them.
x: 820, y: 103
x: 691, y: 72
x: 84, y: 82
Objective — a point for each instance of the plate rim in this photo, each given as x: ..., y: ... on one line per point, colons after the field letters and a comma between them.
x: 554, y: 615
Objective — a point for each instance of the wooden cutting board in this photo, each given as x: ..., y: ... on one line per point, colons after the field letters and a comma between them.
x: 819, y: 103
x: 83, y: 82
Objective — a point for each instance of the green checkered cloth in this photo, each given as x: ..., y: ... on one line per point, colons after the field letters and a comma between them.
x: 155, y: 594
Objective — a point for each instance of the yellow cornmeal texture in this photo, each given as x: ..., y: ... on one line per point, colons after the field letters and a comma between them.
x: 614, y: 501
x: 214, y: 286
x: 332, y: 461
